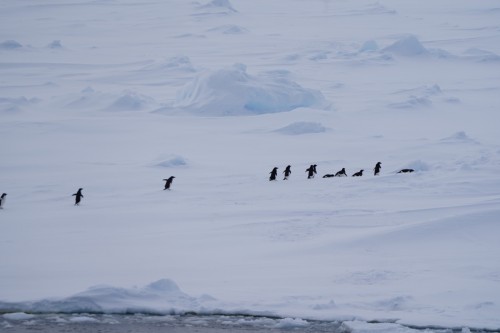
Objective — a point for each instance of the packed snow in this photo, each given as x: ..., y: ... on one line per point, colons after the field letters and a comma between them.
x: 115, y: 96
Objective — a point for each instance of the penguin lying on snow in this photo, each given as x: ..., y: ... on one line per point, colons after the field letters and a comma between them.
x: 405, y: 170
x: 358, y: 174
x: 341, y: 173
x: 78, y: 196
x: 168, y: 182
x: 2, y: 200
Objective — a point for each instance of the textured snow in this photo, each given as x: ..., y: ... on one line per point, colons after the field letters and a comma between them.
x: 115, y: 96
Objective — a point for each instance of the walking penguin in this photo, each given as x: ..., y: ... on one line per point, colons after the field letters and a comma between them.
x: 2, y: 200
x: 168, y: 182
x: 287, y: 172
x: 78, y: 196
x: 310, y: 171
x: 377, y: 168
x: 273, y: 173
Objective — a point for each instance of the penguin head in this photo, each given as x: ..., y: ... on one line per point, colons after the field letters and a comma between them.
x: 3, y: 195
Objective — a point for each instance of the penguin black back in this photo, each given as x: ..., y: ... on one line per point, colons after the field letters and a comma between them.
x: 311, y: 171
x: 358, y: 174
x: 273, y: 173
x: 168, y: 182
x: 2, y: 200
x: 377, y: 168
x: 341, y: 173
x: 78, y: 196
x: 287, y: 172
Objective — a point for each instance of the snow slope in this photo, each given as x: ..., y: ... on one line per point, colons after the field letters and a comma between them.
x: 114, y: 96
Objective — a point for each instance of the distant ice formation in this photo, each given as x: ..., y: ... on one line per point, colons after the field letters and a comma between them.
x: 232, y: 91
x: 459, y: 137
x: 160, y: 297
x: 129, y: 101
x: 217, y: 7
x: 56, y: 44
x: 10, y: 45
x: 407, y: 46
x: 302, y: 127
x: 170, y: 161
x: 229, y: 29
x: 179, y: 63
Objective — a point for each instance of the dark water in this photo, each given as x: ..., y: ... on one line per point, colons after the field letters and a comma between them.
x: 145, y: 323
x: 78, y: 323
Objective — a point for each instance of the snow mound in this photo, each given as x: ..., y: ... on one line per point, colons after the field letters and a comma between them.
x: 56, y: 44
x: 425, y: 90
x: 10, y: 45
x: 372, y: 9
x: 412, y: 102
x: 364, y: 327
x: 218, y: 7
x: 291, y: 323
x: 369, y: 46
x: 130, y: 101
x: 230, y: 92
x: 302, y: 127
x: 422, y: 96
x: 407, y: 46
x: 229, y: 29
x: 481, y: 55
x: 88, y: 98
x: 171, y: 161
x: 16, y: 104
x: 160, y: 297
x: 459, y: 137
x: 18, y: 316
x: 177, y: 63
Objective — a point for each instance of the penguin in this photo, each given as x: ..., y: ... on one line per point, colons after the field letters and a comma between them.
x: 273, y: 173
x: 2, y: 200
x: 358, y: 174
x: 377, y: 168
x: 78, y: 196
x: 341, y: 173
x: 287, y: 172
x: 405, y: 170
x: 168, y: 182
x: 329, y: 175
x: 310, y: 172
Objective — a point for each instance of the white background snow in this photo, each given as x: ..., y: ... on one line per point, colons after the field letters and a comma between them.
x: 114, y: 96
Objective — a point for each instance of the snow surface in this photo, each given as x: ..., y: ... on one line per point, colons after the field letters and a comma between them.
x: 114, y: 96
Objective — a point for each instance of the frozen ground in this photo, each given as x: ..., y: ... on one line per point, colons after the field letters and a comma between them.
x: 114, y: 96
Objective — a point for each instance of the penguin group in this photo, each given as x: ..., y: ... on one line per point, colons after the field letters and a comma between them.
x: 312, y: 171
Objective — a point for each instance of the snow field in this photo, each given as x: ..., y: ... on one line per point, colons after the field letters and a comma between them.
x: 115, y: 96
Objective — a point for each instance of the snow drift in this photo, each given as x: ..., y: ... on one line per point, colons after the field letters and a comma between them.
x: 231, y: 92
x: 302, y: 127
x: 160, y: 297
